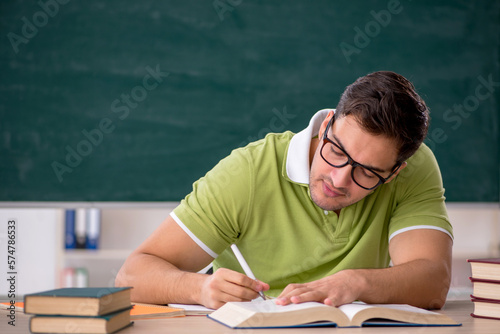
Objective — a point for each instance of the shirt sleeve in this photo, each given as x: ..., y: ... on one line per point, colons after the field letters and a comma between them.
x: 420, y: 197
x: 213, y: 213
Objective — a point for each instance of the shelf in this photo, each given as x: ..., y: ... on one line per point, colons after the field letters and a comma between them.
x: 96, y: 254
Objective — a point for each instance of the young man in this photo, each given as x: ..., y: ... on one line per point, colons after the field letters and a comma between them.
x: 318, y: 215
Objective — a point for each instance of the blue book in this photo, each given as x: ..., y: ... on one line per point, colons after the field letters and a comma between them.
x: 93, y: 228
x: 70, y: 237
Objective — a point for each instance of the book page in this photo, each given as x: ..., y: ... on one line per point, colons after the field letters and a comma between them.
x: 268, y: 306
x: 351, y: 309
x: 192, y: 308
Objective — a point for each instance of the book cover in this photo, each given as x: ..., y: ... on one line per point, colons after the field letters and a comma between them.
x: 109, y: 323
x: 69, y: 231
x: 482, y: 280
x: 18, y: 306
x: 153, y: 311
x: 486, y: 308
x: 485, y: 288
x: 485, y: 268
x: 78, y: 301
x: 81, y: 277
x: 266, y: 314
x: 67, y: 277
x: 93, y: 228
x: 487, y: 261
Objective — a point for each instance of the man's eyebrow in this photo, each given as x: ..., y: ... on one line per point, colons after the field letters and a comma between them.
x: 376, y: 169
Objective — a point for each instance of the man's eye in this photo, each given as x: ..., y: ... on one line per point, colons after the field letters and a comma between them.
x: 367, y: 173
x: 336, y: 151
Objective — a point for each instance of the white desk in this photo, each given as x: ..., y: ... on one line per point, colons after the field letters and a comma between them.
x: 457, y: 310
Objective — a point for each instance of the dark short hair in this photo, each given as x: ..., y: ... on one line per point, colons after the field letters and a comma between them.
x: 386, y: 103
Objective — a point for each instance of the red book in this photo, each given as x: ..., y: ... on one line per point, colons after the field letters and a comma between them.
x: 485, y: 268
x: 486, y: 308
x: 485, y: 288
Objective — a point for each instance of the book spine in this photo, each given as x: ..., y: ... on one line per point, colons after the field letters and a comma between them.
x: 481, y: 280
x: 74, y: 277
x: 70, y: 238
x: 484, y: 317
x: 93, y: 228
x: 81, y: 228
x: 475, y: 299
x: 81, y: 278
x: 68, y: 278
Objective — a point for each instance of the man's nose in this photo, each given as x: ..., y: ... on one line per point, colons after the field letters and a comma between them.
x: 341, y: 177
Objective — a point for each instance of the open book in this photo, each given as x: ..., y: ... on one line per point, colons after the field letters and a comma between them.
x: 258, y: 314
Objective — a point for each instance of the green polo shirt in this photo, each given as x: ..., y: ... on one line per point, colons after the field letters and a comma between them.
x: 258, y: 197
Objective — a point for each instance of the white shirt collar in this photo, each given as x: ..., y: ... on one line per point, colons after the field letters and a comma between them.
x: 297, y: 160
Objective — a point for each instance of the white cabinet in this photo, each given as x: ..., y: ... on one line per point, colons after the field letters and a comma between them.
x: 122, y: 230
x: 34, y: 255
x: 40, y: 254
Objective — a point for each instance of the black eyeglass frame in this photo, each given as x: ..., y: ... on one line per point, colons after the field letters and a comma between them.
x: 352, y: 162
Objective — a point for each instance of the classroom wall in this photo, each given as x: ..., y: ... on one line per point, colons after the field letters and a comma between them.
x: 124, y: 100
x: 40, y: 254
x: 224, y: 77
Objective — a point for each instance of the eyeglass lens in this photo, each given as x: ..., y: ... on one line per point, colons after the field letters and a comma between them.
x: 337, y: 158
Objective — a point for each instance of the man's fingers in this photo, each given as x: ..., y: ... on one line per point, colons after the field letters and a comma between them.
x: 291, y: 294
x: 243, y: 280
x: 228, y: 286
x: 301, y: 293
x: 290, y: 288
x: 239, y: 292
x: 329, y: 302
x: 261, y: 286
x: 309, y: 296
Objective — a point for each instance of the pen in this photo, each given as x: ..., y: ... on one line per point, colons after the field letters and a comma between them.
x: 245, y: 266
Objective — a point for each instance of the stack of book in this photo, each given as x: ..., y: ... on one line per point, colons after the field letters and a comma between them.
x: 485, y: 288
x: 79, y: 310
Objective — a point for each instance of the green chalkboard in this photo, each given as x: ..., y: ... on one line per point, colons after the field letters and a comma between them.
x: 135, y: 100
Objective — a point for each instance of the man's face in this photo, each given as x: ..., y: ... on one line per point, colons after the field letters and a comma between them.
x: 333, y: 188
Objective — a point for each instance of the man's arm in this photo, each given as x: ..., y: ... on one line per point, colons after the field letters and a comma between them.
x: 420, y: 276
x: 163, y: 270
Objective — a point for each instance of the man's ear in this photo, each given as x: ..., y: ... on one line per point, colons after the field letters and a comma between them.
x: 403, y: 165
x: 327, y: 119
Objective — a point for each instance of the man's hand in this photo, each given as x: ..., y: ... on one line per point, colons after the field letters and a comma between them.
x: 229, y: 286
x: 420, y: 276
x: 334, y: 290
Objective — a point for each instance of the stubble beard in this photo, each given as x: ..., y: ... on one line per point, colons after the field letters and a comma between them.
x: 325, y: 202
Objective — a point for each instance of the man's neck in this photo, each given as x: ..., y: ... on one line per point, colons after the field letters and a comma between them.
x: 312, y: 149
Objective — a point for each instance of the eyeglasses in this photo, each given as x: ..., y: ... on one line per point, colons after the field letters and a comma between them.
x: 363, y: 176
